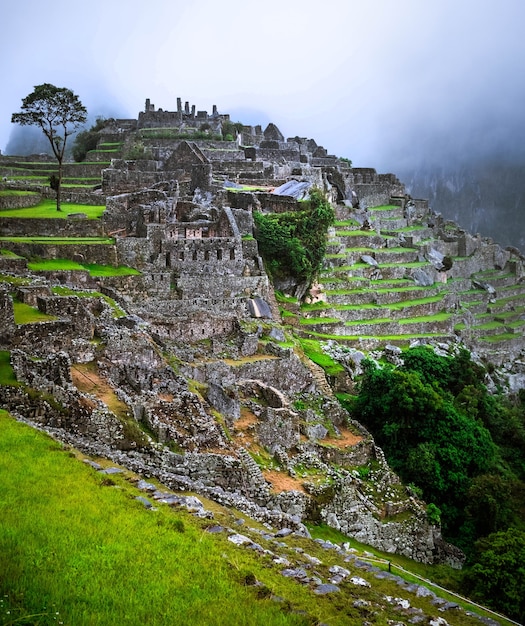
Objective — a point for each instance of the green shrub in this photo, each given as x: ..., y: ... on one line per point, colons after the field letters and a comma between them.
x: 87, y: 140
x: 294, y: 243
x: 138, y: 152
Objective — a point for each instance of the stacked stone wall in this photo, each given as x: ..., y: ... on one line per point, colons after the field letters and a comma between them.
x: 69, y: 227
x: 127, y: 181
x: 272, y: 203
x: 18, y: 201
x: 85, y: 253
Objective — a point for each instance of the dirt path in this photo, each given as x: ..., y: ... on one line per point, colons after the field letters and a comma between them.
x: 282, y: 482
x: 87, y: 380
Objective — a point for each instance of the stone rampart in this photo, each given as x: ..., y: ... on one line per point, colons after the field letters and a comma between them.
x: 208, y: 286
x: 272, y: 203
x: 124, y: 181
x: 197, y: 327
x: 41, y: 338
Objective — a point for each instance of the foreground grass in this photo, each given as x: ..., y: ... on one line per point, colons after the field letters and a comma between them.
x: 82, y: 551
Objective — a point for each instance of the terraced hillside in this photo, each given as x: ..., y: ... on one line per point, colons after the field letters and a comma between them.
x: 381, y: 285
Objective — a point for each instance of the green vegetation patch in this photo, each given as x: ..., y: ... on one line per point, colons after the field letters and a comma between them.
x: 15, y: 192
x: 47, y: 209
x: 83, y: 551
x: 8, y: 254
x: 62, y: 240
x: 315, y: 352
x: 26, y: 314
x: 49, y: 265
x: 7, y: 374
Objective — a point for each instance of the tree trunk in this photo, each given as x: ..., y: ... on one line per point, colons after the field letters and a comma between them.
x: 59, y: 186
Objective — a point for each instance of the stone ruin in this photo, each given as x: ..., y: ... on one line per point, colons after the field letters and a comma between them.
x: 201, y: 334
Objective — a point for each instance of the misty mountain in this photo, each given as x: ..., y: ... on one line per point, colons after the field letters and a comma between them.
x: 485, y: 197
x: 26, y: 140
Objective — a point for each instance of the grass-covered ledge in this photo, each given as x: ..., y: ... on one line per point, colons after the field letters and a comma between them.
x: 47, y: 209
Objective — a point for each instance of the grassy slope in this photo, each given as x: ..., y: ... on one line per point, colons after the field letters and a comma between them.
x: 76, y: 550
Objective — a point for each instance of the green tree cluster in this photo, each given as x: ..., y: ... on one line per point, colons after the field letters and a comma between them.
x: 464, y: 450
x: 230, y: 130
x: 443, y: 432
x: 87, y: 140
x: 294, y: 243
x: 498, y: 576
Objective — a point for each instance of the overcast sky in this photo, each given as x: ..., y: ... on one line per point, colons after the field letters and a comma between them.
x: 377, y: 81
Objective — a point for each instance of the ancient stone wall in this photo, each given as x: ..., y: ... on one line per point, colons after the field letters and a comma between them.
x: 271, y: 203
x: 7, y: 318
x: 103, y: 254
x: 69, y: 227
x: 19, y: 201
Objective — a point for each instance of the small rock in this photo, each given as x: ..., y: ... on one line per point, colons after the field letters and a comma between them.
x: 145, y: 486
x: 326, y: 588
x: 239, y: 540
x: 339, y: 571
x: 144, y: 501
x: 214, y: 529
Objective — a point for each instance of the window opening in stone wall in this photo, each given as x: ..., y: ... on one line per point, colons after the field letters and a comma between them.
x: 219, y: 255
x: 232, y: 254
x: 194, y: 255
x: 207, y: 255
x: 168, y: 259
x: 181, y: 256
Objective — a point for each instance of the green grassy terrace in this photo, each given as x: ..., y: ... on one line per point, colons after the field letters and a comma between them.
x: 47, y: 209
x: 93, y: 268
x: 62, y: 240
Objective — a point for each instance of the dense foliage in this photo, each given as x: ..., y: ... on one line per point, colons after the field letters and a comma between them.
x: 498, y: 576
x: 461, y: 447
x: 230, y: 130
x: 294, y: 243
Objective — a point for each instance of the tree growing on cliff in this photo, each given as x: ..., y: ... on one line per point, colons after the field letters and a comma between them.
x: 59, y: 113
x: 294, y: 243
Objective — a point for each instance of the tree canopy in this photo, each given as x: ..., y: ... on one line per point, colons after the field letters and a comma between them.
x: 431, y: 439
x: 294, y: 243
x: 58, y: 112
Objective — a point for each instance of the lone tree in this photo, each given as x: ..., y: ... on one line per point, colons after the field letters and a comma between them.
x: 59, y: 113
